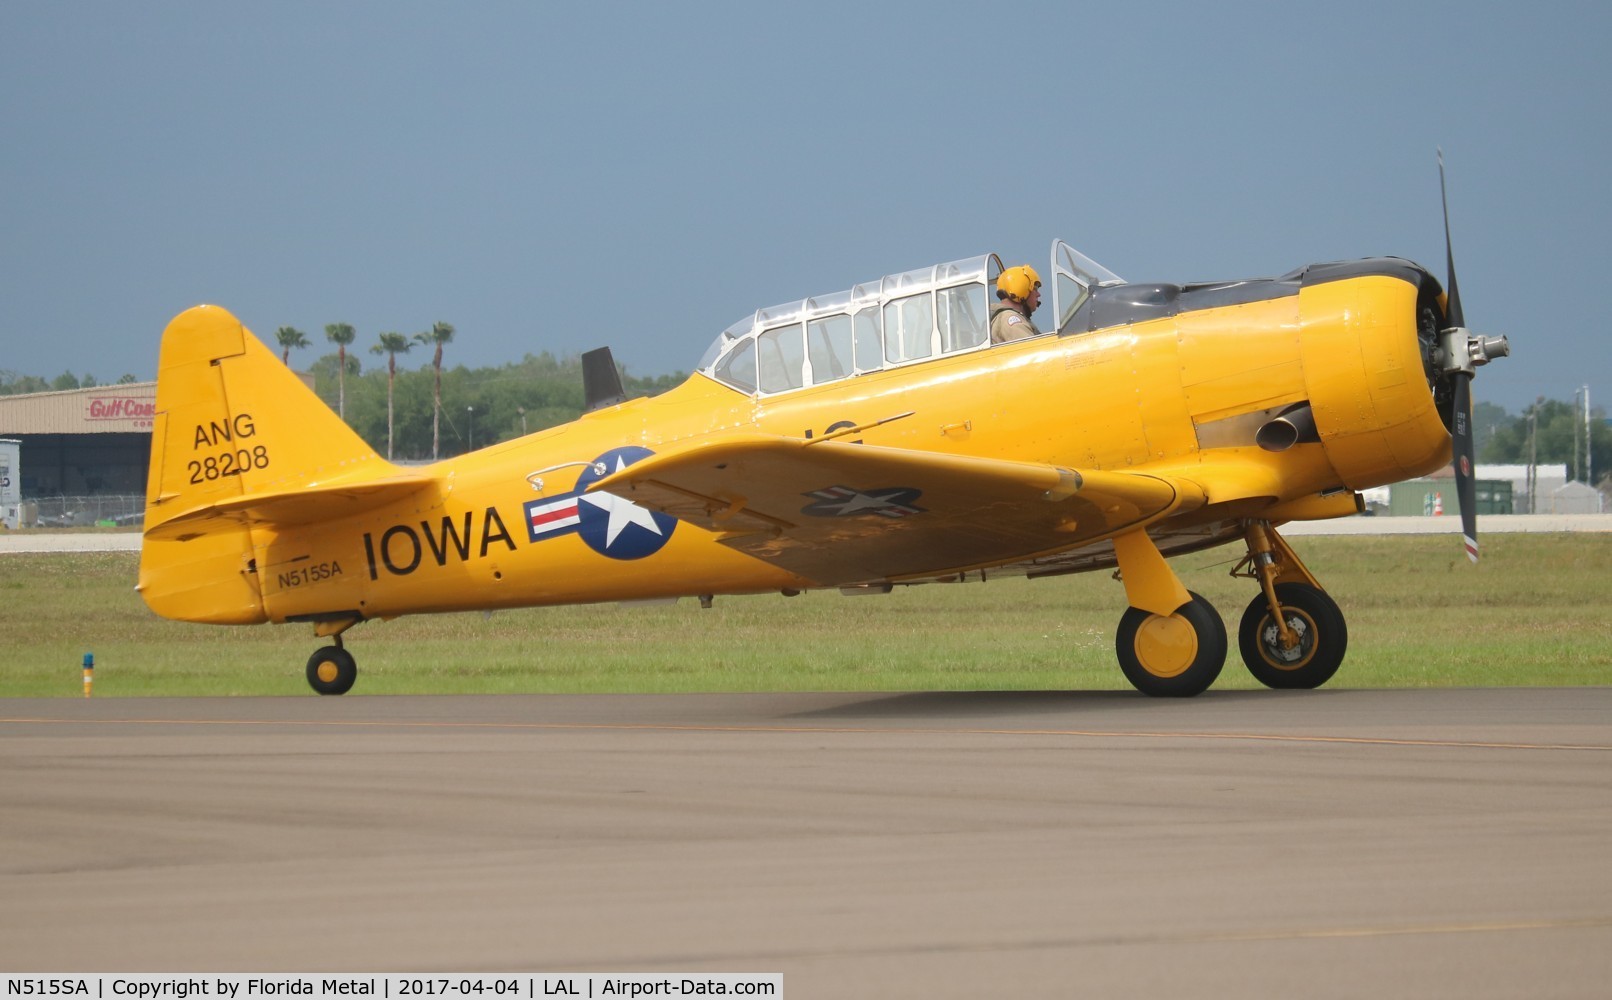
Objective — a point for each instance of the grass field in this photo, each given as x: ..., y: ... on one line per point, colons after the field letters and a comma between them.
x: 1535, y: 612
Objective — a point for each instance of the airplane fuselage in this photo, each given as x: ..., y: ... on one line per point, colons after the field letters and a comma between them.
x: 505, y: 526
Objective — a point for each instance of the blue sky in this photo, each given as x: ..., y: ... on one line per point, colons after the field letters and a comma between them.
x: 560, y: 176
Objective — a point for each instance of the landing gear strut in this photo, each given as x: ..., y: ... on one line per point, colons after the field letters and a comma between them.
x: 1172, y: 656
x: 1315, y: 626
x: 1171, y: 642
x: 331, y: 669
x: 1293, y: 634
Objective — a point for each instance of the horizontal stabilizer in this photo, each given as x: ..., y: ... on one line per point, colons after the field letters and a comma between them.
x: 304, y: 505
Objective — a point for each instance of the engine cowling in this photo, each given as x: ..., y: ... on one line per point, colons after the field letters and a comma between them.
x: 1366, y: 344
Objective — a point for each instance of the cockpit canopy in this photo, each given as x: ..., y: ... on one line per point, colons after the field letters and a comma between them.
x: 898, y: 320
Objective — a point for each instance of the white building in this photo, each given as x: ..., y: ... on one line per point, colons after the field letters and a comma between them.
x: 1547, y: 479
x: 10, y: 482
x: 1571, y: 498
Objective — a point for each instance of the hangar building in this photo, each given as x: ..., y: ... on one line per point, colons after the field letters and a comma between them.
x: 80, y: 443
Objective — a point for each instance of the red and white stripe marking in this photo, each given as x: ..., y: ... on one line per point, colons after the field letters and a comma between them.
x: 554, y: 516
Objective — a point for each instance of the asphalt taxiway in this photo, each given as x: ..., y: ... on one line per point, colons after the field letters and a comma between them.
x: 1319, y: 844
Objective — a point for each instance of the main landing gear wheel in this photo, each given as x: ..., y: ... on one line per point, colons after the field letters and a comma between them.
x: 1172, y: 656
x: 1315, y: 620
x: 331, y: 670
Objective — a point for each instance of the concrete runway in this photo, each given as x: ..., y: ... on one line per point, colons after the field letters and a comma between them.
x: 1240, y: 844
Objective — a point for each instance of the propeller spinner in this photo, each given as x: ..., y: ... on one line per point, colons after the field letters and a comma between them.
x: 1460, y: 352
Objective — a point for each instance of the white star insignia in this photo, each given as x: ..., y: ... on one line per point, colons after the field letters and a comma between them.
x: 860, y: 502
x: 622, y: 512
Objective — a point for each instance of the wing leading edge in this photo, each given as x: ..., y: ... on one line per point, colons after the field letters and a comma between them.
x: 840, y: 513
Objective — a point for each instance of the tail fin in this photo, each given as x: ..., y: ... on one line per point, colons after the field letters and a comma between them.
x: 236, y: 438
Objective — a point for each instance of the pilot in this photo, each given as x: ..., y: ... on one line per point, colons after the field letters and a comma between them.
x: 1019, y: 292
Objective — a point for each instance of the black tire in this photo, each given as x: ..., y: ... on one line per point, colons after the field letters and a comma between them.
x: 1323, y: 638
x: 1162, y: 658
x: 331, y: 670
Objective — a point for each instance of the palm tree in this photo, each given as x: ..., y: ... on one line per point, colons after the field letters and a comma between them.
x: 441, y: 333
x: 391, y: 345
x: 341, y: 334
x: 290, y: 338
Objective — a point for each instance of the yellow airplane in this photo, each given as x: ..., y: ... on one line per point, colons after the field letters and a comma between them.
x: 862, y: 440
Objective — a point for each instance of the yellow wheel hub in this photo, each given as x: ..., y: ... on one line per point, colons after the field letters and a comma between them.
x: 328, y: 672
x: 1166, y: 647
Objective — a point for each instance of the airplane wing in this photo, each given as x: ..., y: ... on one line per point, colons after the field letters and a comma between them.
x: 839, y: 513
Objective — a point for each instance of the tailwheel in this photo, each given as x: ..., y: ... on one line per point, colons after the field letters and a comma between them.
x: 1317, y: 630
x: 332, y: 670
x: 1172, y: 656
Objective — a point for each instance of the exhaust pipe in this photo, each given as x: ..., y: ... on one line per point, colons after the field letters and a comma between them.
x: 1294, y: 425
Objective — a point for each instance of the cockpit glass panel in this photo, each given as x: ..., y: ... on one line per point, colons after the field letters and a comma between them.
x: 1071, y: 296
x: 894, y: 320
x: 962, y: 317
x: 895, y: 284
x: 828, y: 347
x: 869, y: 342
x: 1075, y: 275
x: 781, y: 356
x: 738, y: 367
x: 774, y: 315
x: 714, y: 351
x: 724, y: 340
x: 972, y: 269
x: 817, y: 305
x: 909, y: 327
x: 1069, y: 259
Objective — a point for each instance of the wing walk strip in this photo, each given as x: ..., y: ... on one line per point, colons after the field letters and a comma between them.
x: 817, y: 730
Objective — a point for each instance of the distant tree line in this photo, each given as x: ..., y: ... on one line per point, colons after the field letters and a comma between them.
x: 1552, y: 430
x: 480, y: 406
x: 421, y: 413
x: 433, y: 412
x: 13, y: 384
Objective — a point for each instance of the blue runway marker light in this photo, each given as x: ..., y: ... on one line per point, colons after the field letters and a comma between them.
x: 89, y: 672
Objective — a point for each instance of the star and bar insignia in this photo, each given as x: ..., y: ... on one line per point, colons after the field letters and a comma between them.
x: 843, y: 501
x: 610, y: 525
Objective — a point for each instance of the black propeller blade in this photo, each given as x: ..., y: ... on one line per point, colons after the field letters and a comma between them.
x: 1465, y: 486
x: 1455, y: 317
x: 1462, y: 444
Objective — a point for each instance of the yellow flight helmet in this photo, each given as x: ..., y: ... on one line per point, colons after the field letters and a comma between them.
x: 1018, y: 282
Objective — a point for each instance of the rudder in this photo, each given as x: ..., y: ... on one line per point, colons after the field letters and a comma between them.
x: 231, y: 421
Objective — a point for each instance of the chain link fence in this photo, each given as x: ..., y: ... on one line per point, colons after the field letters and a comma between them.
x: 70, y: 512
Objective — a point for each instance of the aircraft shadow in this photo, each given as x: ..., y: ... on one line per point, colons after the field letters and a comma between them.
x: 994, y: 704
